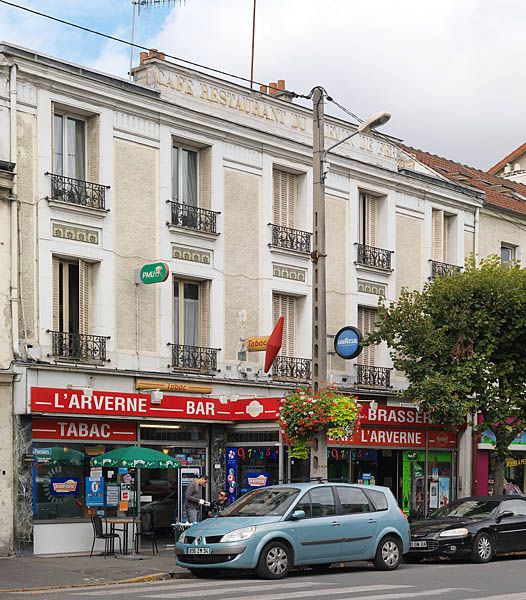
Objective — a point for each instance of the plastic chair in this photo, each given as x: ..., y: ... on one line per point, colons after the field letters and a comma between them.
x: 99, y: 534
x: 147, y: 530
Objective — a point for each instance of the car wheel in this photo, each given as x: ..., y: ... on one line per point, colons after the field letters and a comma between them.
x: 274, y: 561
x: 388, y: 554
x: 483, y: 548
x: 205, y: 573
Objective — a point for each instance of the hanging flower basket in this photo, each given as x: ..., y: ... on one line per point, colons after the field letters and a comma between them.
x: 305, y: 413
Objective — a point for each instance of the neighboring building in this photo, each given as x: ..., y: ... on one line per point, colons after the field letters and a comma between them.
x: 502, y: 232
x: 214, y: 180
x: 513, y: 166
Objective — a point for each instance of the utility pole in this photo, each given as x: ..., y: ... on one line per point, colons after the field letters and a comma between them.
x: 318, y: 460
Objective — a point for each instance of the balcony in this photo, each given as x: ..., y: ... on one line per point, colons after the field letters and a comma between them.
x: 440, y: 268
x: 194, y: 358
x: 377, y: 258
x: 78, y: 347
x: 194, y: 218
x: 378, y: 377
x: 289, y: 368
x: 77, y: 192
x: 291, y: 239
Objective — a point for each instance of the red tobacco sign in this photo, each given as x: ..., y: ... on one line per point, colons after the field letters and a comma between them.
x: 76, y: 429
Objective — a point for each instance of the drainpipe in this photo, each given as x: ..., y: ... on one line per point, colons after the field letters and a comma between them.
x: 14, y: 209
x: 476, y: 241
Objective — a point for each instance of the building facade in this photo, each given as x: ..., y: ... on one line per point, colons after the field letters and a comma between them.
x: 212, y: 180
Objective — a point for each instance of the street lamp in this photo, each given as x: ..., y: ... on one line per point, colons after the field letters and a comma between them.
x: 319, y: 291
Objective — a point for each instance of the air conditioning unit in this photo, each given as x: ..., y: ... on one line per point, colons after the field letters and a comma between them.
x: 156, y: 397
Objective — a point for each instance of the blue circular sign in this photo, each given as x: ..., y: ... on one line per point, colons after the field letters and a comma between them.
x: 348, y: 342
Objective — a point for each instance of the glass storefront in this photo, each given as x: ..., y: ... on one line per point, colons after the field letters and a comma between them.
x: 514, y: 470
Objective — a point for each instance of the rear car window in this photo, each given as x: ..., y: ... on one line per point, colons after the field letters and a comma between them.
x: 378, y: 499
x: 352, y: 500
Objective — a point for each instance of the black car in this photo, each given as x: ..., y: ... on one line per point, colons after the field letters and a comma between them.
x: 477, y: 528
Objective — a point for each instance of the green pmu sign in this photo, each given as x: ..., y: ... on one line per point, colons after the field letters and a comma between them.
x: 155, y: 273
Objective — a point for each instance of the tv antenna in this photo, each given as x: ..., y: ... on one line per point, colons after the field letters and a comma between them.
x: 137, y: 5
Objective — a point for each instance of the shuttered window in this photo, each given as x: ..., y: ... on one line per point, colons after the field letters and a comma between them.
x: 368, y: 219
x: 191, y: 312
x: 285, y: 306
x: 71, y: 296
x: 439, y: 236
x: 93, y: 149
x: 192, y: 176
x: 285, y: 194
x: 366, y: 323
x: 205, y: 178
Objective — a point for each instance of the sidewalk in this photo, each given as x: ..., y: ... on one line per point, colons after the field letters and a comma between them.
x: 22, y: 573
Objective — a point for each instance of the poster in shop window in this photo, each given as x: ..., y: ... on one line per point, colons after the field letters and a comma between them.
x: 257, y: 480
x: 443, y: 490
x: 433, y: 494
x: 231, y: 474
x: 94, y: 492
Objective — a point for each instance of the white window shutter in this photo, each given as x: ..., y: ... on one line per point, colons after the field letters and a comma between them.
x: 205, y: 178
x: 277, y: 203
x: 285, y: 306
x: 371, y: 219
x: 438, y: 236
x: 56, y: 295
x: 204, y: 313
x: 84, y: 297
x: 93, y: 149
x: 285, y: 192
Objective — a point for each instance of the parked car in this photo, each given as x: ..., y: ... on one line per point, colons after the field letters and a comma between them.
x: 276, y: 528
x: 477, y: 528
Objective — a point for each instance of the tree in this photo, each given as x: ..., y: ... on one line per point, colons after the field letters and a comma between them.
x: 461, y: 342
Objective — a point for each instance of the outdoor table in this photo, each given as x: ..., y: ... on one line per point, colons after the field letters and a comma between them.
x: 125, y: 522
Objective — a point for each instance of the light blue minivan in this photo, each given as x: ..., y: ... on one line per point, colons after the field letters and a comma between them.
x: 276, y: 528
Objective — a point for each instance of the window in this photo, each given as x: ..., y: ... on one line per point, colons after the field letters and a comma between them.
x: 368, y: 219
x: 184, y: 176
x: 305, y: 505
x: 378, y: 499
x: 442, y: 225
x: 322, y: 502
x: 191, y: 313
x: 507, y: 253
x: 366, y: 323
x: 69, y: 146
x: 71, y: 295
x: 352, y: 500
x: 517, y: 507
x: 285, y: 306
x: 285, y: 198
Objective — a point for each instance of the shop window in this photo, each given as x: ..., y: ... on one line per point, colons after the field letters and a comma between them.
x: 285, y: 306
x: 71, y: 295
x: 175, y: 433
x: 251, y: 467
x: 322, y: 502
x: 352, y: 500
x: 439, y: 480
x: 61, y: 472
x: 240, y: 437
x: 284, y: 198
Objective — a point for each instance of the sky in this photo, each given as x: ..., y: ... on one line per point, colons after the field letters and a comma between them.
x: 451, y: 72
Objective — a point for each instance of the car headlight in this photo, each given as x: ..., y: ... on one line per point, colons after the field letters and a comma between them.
x: 180, y: 539
x: 459, y: 532
x: 239, y: 535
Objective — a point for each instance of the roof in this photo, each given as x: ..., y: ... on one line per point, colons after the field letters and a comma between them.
x: 498, y: 192
x: 508, y: 159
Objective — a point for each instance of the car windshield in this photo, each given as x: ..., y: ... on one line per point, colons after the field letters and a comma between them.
x: 466, y: 509
x: 270, y: 502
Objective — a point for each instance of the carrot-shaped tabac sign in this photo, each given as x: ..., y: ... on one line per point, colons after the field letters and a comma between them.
x: 274, y: 344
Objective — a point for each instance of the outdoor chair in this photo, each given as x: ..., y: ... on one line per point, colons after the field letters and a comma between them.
x: 147, y: 530
x: 100, y: 534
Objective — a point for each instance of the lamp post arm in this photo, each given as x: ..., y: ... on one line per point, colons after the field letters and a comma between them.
x: 338, y: 143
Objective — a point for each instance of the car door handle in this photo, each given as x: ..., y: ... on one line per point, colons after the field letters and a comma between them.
x: 335, y: 523
x: 372, y: 521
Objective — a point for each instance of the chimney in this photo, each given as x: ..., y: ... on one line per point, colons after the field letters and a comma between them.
x: 272, y: 88
x: 154, y: 53
x: 281, y: 84
x: 143, y: 56
x: 263, y: 89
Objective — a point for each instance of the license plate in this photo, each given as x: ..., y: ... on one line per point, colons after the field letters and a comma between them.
x: 418, y: 544
x: 198, y: 550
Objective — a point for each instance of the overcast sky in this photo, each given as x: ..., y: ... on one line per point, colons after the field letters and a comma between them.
x: 451, y: 72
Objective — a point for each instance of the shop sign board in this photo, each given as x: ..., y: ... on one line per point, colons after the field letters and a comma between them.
x: 119, y: 404
x: 76, y: 429
x: 257, y: 480
x: 231, y: 474
x: 348, y: 342
x: 154, y: 273
x: 171, y: 386
x: 396, y: 437
x: 488, y: 437
x: 64, y: 486
x: 401, y: 416
x: 257, y: 344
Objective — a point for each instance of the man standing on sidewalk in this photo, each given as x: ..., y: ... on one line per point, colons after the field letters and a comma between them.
x: 193, y: 500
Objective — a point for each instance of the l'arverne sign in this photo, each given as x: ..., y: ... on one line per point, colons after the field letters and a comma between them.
x: 155, y: 273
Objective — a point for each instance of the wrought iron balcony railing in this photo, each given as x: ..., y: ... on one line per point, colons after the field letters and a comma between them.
x: 290, y: 368
x: 194, y: 358
x: 192, y: 217
x: 78, y: 346
x: 291, y: 239
x: 370, y: 256
x: 76, y: 191
x: 373, y: 376
x: 440, y: 268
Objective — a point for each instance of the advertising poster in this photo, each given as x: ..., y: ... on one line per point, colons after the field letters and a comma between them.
x: 64, y: 486
x: 186, y: 476
x: 433, y: 494
x: 231, y: 474
x: 443, y: 490
x: 257, y: 480
x: 94, y: 492
x: 112, y: 494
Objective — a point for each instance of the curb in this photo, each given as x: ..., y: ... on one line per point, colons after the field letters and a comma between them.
x: 141, y: 579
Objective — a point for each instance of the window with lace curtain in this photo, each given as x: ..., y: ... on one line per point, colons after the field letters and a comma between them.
x: 69, y: 146
x: 185, y: 164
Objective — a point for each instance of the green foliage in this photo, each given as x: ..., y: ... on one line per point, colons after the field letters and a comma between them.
x: 305, y: 413
x: 461, y: 343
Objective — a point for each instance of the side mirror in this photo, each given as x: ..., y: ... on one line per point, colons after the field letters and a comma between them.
x: 504, y: 515
x: 297, y: 515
